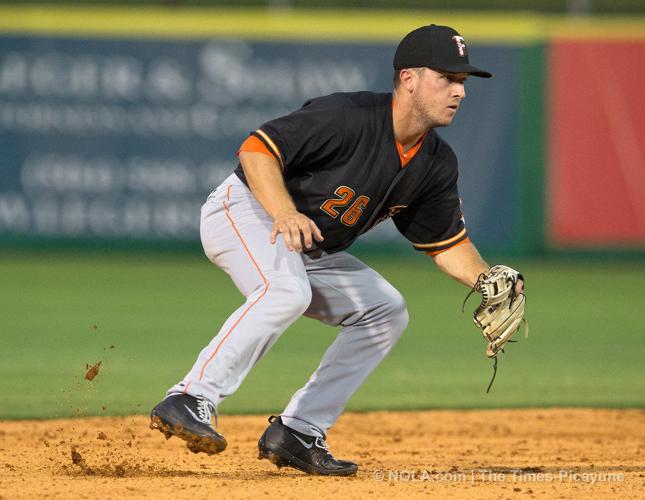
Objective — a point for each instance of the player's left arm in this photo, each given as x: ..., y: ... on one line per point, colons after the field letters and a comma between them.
x: 461, y: 262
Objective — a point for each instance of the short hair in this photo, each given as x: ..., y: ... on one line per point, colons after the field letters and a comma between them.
x: 396, y: 79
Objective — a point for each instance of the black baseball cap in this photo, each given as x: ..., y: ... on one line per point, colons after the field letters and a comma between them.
x: 436, y: 47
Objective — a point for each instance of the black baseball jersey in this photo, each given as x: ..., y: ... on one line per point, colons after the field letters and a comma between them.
x: 342, y: 168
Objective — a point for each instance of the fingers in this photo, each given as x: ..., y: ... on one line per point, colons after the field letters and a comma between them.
x: 307, y: 237
x: 298, y: 232
x: 296, y: 241
x: 290, y: 235
x: 519, y: 287
x: 317, y: 234
x: 286, y: 235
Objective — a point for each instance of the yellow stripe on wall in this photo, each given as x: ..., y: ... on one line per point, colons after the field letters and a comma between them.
x: 609, y: 27
x: 276, y: 24
x: 306, y: 24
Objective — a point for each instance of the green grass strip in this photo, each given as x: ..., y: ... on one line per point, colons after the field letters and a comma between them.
x: 147, y: 317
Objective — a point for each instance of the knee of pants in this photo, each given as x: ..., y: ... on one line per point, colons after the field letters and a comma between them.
x: 397, y: 313
x: 290, y: 295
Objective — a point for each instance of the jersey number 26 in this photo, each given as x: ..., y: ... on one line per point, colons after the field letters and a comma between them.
x: 345, y: 197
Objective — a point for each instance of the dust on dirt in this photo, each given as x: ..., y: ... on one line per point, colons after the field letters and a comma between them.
x: 554, y: 453
x: 92, y: 371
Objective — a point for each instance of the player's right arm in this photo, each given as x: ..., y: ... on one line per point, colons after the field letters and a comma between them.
x: 264, y: 177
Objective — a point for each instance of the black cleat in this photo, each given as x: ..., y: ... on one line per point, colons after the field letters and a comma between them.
x: 286, y: 447
x: 188, y: 418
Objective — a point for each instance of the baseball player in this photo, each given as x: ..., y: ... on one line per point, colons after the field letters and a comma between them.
x: 308, y: 185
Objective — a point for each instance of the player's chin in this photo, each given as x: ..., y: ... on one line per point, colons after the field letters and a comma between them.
x: 450, y: 115
x: 444, y: 122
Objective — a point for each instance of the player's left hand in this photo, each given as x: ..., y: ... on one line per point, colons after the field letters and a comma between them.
x: 519, y: 286
x: 501, y: 311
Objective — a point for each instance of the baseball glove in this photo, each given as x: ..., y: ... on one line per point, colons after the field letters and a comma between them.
x: 501, y: 311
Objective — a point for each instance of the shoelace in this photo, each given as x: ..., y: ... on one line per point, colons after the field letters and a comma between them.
x: 205, y: 410
x: 321, y: 443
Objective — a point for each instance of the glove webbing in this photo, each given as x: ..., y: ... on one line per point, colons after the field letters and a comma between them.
x: 472, y: 290
x: 463, y: 308
x: 513, y: 297
x: 490, y: 384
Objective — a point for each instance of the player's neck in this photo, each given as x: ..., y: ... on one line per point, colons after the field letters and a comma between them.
x: 408, y: 129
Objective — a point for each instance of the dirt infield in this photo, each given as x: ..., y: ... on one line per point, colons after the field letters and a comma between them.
x: 559, y: 453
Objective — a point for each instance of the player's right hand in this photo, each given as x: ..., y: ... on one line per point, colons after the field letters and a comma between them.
x: 297, y: 229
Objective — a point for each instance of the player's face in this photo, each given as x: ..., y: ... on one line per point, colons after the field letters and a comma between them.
x: 438, y: 96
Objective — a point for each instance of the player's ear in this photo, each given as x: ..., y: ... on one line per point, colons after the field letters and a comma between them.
x: 407, y: 78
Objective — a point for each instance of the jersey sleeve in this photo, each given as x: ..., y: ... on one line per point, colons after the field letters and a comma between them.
x: 309, y: 136
x: 436, y: 222
x: 254, y: 145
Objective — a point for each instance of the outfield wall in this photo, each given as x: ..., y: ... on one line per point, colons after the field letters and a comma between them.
x: 596, y: 178
x: 116, y: 123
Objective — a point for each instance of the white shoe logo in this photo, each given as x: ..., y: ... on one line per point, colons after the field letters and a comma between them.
x: 303, y: 442
x: 193, y: 414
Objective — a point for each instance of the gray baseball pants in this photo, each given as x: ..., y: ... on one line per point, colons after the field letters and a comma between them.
x: 280, y: 286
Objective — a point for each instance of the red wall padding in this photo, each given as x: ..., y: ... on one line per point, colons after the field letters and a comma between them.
x: 596, y: 171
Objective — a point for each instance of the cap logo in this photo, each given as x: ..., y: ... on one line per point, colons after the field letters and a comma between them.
x: 461, y: 45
